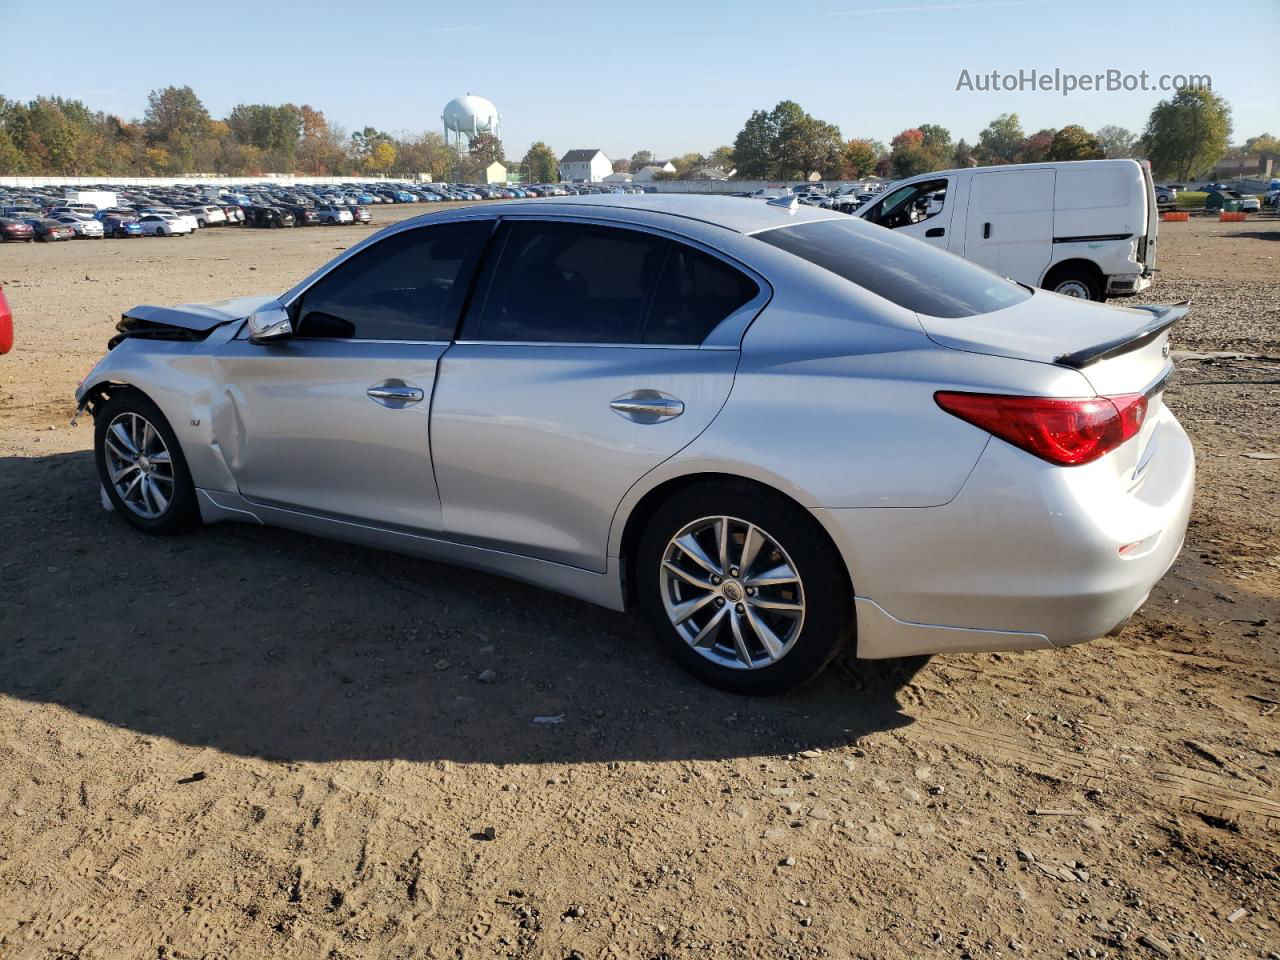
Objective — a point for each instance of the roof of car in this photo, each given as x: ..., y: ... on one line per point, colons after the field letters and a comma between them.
x: 740, y: 214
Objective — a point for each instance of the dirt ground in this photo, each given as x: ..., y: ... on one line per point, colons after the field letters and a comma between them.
x: 248, y: 743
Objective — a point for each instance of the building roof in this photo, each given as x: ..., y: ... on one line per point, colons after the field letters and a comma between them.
x: 581, y: 156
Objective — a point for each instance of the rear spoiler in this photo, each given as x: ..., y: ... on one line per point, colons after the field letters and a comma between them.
x: 1166, y: 316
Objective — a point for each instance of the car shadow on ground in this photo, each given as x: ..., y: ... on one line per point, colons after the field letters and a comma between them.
x: 261, y: 642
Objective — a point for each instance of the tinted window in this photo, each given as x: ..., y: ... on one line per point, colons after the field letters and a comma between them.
x: 409, y: 286
x: 570, y: 282
x: 904, y: 271
x: 697, y: 291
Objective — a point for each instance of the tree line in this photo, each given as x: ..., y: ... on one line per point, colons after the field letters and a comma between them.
x: 1184, y: 136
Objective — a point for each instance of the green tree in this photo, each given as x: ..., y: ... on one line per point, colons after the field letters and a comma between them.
x: 937, y: 145
x: 999, y: 141
x: 1265, y: 147
x: 542, y: 165
x: 754, y: 147
x: 1187, y: 134
x: 1118, y: 143
x: 803, y: 144
x: 722, y: 157
x: 963, y: 155
x: 1074, y: 142
x: 640, y: 158
x: 174, y: 121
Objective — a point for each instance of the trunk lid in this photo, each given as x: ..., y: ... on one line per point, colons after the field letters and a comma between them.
x: 1117, y: 350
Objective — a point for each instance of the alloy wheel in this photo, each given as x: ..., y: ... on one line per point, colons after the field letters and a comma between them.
x: 732, y: 593
x: 140, y: 465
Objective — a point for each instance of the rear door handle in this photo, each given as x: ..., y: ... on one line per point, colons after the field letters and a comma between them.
x: 647, y: 406
x: 395, y: 394
x: 935, y: 232
x: 986, y: 231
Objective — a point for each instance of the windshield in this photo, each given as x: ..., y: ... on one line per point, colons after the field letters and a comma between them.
x: 904, y: 271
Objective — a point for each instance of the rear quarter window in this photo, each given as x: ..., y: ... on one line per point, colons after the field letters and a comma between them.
x: 904, y: 271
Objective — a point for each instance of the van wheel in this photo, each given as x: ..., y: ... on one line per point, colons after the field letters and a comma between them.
x: 1076, y: 283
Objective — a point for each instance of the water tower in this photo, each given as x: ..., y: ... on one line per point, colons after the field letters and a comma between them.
x: 467, y: 116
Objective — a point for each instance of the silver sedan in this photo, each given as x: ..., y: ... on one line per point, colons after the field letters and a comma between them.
x: 774, y: 430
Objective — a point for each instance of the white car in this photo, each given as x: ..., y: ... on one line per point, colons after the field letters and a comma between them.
x: 335, y: 214
x: 206, y: 216
x: 85, y: 228
x: 164, y: 225
x: 1250, y: 204
x: 192, y: 223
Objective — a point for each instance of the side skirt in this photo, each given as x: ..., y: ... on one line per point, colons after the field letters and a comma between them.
x: 603, y: 589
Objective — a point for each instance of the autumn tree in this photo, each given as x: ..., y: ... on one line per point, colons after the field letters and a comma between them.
x: 859, y: 159
x: 1035, y: 148
x: 1074, y: 142
x: 485, y: 149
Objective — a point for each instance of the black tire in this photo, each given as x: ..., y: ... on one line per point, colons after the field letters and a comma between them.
x: 828, y: 623
x: 182, y: 512
x: 1070, y: 280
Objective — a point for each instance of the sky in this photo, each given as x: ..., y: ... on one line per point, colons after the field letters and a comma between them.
x: 660, y: 76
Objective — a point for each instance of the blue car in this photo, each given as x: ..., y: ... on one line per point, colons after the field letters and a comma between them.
x: 121, y: 227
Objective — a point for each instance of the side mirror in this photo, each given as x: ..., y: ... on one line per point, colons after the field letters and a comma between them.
x: 269, y: 325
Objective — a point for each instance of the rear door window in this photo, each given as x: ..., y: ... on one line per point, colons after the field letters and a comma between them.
x: 697, y: 291
x: 565, y: 282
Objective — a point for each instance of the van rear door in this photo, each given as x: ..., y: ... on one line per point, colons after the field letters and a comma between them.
x: 1010, y: 223
x: 1147, y: 245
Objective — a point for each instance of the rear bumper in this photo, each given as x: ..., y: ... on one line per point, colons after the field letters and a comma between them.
x: 1126, y: 285
x: 1027, y: 554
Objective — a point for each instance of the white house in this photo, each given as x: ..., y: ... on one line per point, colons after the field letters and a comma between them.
x: 585, y: 166
x: 651, y: 170
x: 495, y: 173
x: 618, y: 178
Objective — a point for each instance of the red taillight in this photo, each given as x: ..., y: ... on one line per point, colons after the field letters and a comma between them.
x: 1065, y: 431
x: 6, y: 325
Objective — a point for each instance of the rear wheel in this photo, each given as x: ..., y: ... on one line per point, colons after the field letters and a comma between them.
x: 1076, y: 283
x: 141, y: 465
x: 743, y: 587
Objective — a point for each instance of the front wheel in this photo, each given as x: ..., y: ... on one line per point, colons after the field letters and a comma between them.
x: 744, y: 587
x: 141, y: 466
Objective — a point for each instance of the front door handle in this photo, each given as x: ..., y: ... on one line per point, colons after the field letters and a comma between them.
x: 935, y: 232
x: 647, y: 406
x: 986, y: 231
x: 395, y: 394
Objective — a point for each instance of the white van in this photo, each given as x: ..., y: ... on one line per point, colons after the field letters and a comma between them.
x: 1085, y: 229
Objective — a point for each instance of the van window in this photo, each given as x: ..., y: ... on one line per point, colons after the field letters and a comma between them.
x: 913, y: 203
x: 902, y: 270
